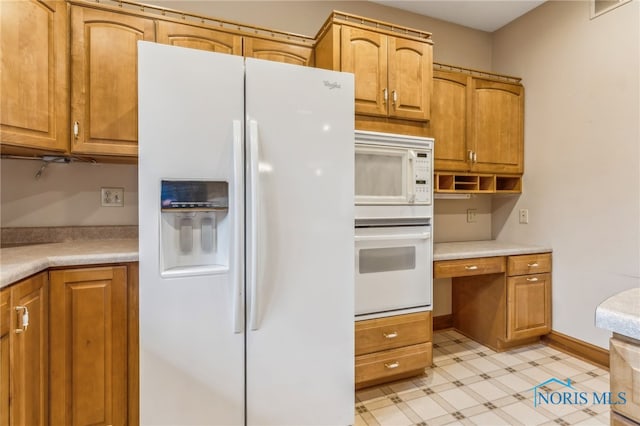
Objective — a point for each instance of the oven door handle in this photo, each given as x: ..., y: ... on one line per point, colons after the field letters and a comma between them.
x: 420, y: 236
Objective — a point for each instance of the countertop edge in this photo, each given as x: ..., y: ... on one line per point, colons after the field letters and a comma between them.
x: 620, y: 314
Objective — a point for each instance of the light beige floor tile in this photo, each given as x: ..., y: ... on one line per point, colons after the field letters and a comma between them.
x: 489, y: 419
x: 514, y: 382
x: 458, y: 398
x: 359, y: 421
x: 563, y: 369
x: 507, y: 359
x: 369, y: 419
x: 375, y: 404
x: 391, y: 416
x: 402, y: 386
x: 434, y: 378
x: 597, y: 384
x: 538, y: 374
x: 488, y: 390
x: 457, y: 371
x: 369, y: 394
x: 525, y: 414
x: 561, y: 410
x: 529, y: 354
x: 483, y: 364
x: 426, y: 408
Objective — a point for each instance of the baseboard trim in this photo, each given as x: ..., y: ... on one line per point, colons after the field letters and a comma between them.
x: 443, y: 321
x: 578, y: 348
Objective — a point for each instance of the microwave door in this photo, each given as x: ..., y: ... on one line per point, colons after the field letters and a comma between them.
x: 381, y: 175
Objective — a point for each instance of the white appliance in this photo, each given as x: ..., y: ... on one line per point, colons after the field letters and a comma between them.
x: 246, y: 241
x: 393, y: 267
x: 394, y: 213
x: 393, y: 175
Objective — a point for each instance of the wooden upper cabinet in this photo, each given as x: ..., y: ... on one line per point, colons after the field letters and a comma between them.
x: 410, y: 78
x: 364, y: 53
x: 497, y: 126
x: 449, y: 120
x: 183, y: 35
x: 477, y: 124
x: 33, y: 52
x: 392, y: 68
x: 104, y: 80
x: 89, y: 346
x: 26, y: 347
x: 273, y: 50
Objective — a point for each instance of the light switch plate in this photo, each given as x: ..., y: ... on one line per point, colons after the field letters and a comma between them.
x: 112, y: 197
x: 472, y: 215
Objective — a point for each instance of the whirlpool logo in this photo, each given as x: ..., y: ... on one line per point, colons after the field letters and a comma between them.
x: 543, y: 395
x: 332, y: 84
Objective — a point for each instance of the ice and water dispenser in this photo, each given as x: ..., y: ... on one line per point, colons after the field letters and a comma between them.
x: 194, y: 231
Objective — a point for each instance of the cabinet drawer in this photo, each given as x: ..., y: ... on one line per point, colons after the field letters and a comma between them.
x: 529, y: 264
x: 466, y: 267
x: 392, y: 362
x: 392, y: 332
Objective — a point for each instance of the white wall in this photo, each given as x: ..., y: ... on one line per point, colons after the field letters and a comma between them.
x: 582, y: 152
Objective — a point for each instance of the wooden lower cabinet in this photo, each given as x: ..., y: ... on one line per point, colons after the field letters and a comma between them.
x: 501, y: 302
x: 89, y: 346
x: 392, y: 348
x: 24, y: 347
x: 624, y: 378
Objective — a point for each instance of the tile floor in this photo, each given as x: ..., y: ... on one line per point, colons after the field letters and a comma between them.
x: 470, y: 384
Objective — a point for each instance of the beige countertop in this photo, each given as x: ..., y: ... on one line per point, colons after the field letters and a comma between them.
x: 471, y: 249
x: 20, y: 262
x: 621, y: 313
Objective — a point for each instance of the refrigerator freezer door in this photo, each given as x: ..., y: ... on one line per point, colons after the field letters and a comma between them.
x: 191, y: 354
x: 300, y: 356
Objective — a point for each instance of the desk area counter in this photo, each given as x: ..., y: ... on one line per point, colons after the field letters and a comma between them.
x: 17, y: 263
x: 473, y: 249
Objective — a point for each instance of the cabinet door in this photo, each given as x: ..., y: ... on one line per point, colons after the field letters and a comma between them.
x: 410, y: 78
x: 448, y: 123
x: 528, y: 306
x: 364, y: 53
x: 496, y: 126
x: 34, y: 101
x: 29, y: 352
x: 5, y: 300
x: 183, y: 35
x: 89, y: 346
x: 272, y: 50
x: 104, y: 80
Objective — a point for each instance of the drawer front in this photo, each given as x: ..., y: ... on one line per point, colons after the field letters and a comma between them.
x: 393, y: 362
x: 466, y: 267
x: 624, y: 370
x: 529, y: 264
x: 392, y: 332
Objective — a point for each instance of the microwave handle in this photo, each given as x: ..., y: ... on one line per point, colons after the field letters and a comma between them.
x: 411, y: 183
x: 420, y: 236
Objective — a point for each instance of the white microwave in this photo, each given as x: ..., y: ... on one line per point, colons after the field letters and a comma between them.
x: 393, y: 169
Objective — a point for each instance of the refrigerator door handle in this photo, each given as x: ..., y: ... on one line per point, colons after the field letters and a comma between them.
x: 238, y: 163
x: 254, y: 157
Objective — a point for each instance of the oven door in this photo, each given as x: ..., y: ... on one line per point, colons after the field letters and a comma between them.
x: 382, y: 175
x: 393, y: 269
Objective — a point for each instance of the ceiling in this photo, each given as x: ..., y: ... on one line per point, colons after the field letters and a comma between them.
x: 485, y: 15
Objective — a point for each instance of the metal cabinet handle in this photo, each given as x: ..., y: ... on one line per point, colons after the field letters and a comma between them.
x: 532, y: 280
x: 533, y: 265
x: 385, y: 95
x: 392, y: 365
x: 471, y: 268
x: 76, y: 129
x: 475, y: 157
x: 24, y: 320
x: 470, y: 152
x: 391, y: 335
x: 394, y: 97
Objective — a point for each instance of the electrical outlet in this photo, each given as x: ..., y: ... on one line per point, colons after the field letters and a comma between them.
x: 472, y: 215
x: 112, y: 197
x: 524, y: 216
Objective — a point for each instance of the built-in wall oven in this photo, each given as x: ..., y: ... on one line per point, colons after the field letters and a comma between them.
x: 394, y: 218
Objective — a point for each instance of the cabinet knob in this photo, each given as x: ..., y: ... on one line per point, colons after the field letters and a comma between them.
x: 24, y: 319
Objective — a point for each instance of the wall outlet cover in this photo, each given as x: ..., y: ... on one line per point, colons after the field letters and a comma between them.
x: 112, y: 197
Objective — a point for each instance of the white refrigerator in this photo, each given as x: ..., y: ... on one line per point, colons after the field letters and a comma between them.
x: 246, y: 229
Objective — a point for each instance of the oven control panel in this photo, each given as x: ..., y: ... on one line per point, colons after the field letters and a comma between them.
x: 422, y: 171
